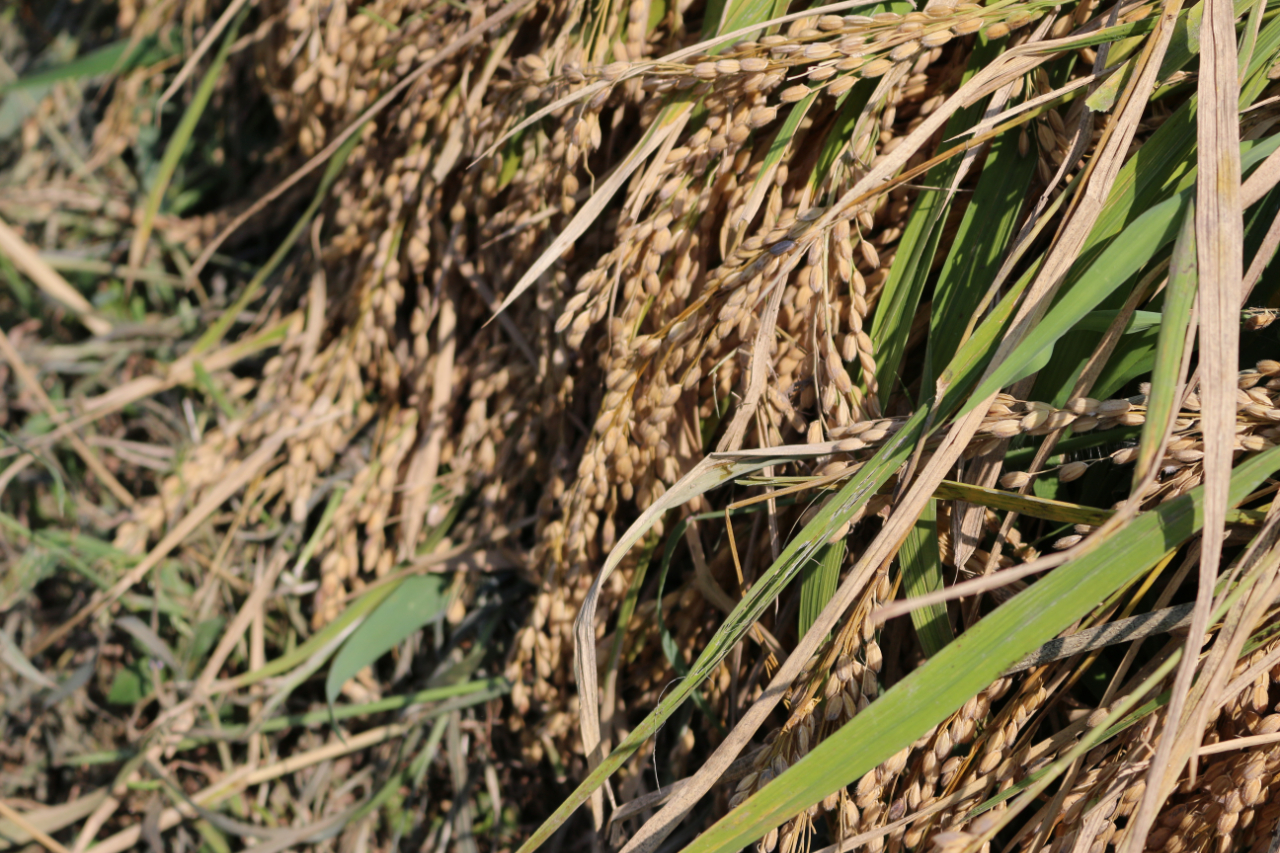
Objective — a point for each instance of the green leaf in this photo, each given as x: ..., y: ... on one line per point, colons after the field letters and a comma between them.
x: 929, y: 694
x: 207, y: 633
x: 511, y: 159
x: 1100, y: 321
x: 628, y: 608
x: 737, y: 14
x: 818, y: 581
x: 913, y: 261
x: 1034, y: 507
x: 115, y: 57
x: 973, y: 355
x: 849, y: 106
x: 376, y: 18
x: 1168, y: 157
x: 989, y: 223
x: 1114, y: 266
x: 317, y: 641
x: 149, y: 640
x: 657, y: 11
x: 1133, y: 357
x: 1264, y: 52
x: 213, y: 837
x: 128, y: 687
x: 1180, y: 296
x: 13, y: 658
x: 665, y: 638
x: 921, y: 574
x: 1104, y: 97
x: 1186, y: 39
x: 206, y: 383
x: 419, y: 599
x: 1121, y: 258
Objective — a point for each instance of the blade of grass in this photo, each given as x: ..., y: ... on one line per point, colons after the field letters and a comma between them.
x: 989, y: 224
x: 116, y: 57
x: 818, y: 581
x: 1168, y: 155
x: 668, y: 643
x: 913, y: 262
x: 15, y: 660
x: 1173, y: 352
x: 419, y: 599
x: 921, y: 574
x: 143, y: 633
x: 29, y: 262
x: 326, y: 519
x: 778, y: 148
x: 206, y: 43
x: 176, y: 373
x: 657, y: 828
x: 40, y: 837
x: 452, y: 697
x: 739, y: 14
x: 1029, y: 505
x: 1050, y: 510
x: 251, y: 467
x: 206, y: 383
x: 1123, y: 257
x: 31, y: 382
x: 848, y: 107
x: 359, y: 609
x: 625, y: 611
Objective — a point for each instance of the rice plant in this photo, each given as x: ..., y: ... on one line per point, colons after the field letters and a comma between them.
x: 660, y: 426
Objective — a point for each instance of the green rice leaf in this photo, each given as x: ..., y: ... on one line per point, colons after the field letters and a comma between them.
x: 818, y: 581
x: 896, y: 308
x: 1104, y: 97
x: 921, y: 574
x: 1122, y: 258
x: 117, y: 57
x: 989, y: 223
x: 419, y: 599
x: 743, y: 13
x: 778, y: 148
x: 849, y: 106
x: 218, y: 328
x: 358, y: 610
x: 1180, y: 295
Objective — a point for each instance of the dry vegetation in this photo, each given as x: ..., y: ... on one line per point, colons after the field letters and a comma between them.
x: 652, y: 426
